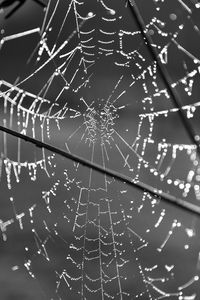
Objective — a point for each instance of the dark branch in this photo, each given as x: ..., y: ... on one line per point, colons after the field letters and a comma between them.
x: 14, y: 9
x: 125, y: 179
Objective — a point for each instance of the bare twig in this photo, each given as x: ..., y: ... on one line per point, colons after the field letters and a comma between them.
x: 111, y: 173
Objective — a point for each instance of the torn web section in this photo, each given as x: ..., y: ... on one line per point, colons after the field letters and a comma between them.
x: 169, y: 26
x: 173, y: 30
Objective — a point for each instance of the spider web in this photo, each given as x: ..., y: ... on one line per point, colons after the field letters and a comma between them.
x: 87, y: 84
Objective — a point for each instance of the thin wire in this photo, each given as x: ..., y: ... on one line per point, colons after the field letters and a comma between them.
x: 164, y: 74
x: 189, y: 207
x: 125, y: 179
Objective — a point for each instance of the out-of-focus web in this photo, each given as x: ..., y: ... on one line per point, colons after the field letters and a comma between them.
x: 110, y: 228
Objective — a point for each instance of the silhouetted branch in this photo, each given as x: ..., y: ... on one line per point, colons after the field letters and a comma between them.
x: 111, y: 173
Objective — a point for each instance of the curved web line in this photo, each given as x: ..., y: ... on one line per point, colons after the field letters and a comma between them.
x: 125, y: 179
x: 109, y: 224
x: 164, y: 74
x: 177, y: 103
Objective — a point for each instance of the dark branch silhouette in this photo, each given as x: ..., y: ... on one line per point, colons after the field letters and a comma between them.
x: 170, y: 199
x: 7, y: 3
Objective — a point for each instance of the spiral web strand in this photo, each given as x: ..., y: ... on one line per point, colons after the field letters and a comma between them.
x: 88, y: 85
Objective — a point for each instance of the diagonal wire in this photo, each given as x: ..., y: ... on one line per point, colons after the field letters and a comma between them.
x: 125, y: 179
x: 189, y: 207
x: 164, y: 74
